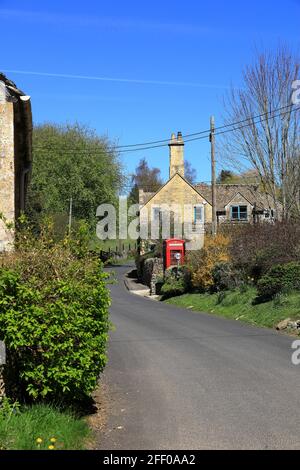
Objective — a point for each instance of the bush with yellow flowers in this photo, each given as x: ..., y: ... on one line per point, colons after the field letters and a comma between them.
x: 202, y: 262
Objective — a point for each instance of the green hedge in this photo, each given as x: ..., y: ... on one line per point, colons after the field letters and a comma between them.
x: 226, y: 277
x: 54, y: 321
x: 279, y: 278
x: 176, y: 283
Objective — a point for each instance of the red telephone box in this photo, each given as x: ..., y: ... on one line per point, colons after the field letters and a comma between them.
x: 173, y: 252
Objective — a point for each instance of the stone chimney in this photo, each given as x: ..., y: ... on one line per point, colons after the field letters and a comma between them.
x: 176, y: 155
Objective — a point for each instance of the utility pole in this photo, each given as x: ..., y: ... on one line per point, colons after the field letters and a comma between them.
x: 213, y: 176
x: 70, y: 215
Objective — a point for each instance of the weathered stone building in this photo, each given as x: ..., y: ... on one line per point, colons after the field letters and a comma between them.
x: 15, y: 155
x: 236, y: 203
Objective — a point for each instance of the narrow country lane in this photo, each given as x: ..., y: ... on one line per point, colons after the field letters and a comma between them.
x: 184, y: 380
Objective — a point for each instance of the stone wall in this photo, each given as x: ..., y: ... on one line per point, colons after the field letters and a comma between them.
x: 7, y: 172
x: 152, y: 269
x: 2, y: 385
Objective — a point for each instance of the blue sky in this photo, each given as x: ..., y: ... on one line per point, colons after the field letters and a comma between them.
x: 144, y: 69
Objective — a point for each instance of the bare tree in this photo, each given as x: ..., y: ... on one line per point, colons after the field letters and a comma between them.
x: 190, y: 172
x: 269, y: 144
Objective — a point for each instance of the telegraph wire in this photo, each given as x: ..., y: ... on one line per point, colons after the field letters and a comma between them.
x: 199, y: 135
x: 205, y: 131
x: 218, y: 133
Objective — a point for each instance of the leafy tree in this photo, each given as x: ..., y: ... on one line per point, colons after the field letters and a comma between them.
x: 246, y: 177
x: 72, y: 161
x: 225, y: 176
x: 146, y: 178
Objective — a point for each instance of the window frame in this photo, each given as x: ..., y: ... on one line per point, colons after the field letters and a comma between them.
x: 238, y: 207
x: 201, y: 219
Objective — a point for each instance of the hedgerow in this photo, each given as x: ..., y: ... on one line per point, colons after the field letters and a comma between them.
x: 53, y: 319
x: 279, y: 278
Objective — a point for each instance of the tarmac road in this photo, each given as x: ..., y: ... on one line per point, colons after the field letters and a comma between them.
x: 184, y: 380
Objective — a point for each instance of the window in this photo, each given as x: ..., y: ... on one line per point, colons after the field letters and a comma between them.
x: 239, y: 213
x: 156, y: 214
x: 198, y: 214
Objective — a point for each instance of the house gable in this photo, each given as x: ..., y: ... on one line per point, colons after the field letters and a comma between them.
x: 178, y: 190
x: 238, y: 199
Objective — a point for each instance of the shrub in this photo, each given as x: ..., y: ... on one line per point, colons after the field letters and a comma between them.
x: 54, y: 321
x: 176, y: 282
x: 202, y: 262
x: 278, y: 279
x: 225, y: 277
x: 255, y: 248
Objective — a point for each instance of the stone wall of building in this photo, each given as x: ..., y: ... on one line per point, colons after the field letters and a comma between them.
x: 7, y: 172
x: 239, y: 200
x: 178, y: 192
x: 176, y: 157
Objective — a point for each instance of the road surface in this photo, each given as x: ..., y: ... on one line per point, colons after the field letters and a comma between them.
x: 178, y: 379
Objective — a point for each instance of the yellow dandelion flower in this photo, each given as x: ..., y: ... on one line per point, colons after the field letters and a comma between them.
x: 39, y: 440
x: 51, y: 447
x: 53, y: 439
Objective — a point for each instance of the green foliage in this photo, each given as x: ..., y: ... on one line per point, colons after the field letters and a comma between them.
x: 243, y: 287
x: 280, y: 278
x: 239, y: 306
x: 54, y: 319
x: 220, y: 297
x: 79, y: 240
x: 71, y: 160
x: 172, y: 288
x: 246, y: 177
x: 279, y: 299
x: 255, y: 248
x: 225, y: 277
x: 7, y: 408
x: 40, y: 426
x: 146, y: 178
x: 176, y: 282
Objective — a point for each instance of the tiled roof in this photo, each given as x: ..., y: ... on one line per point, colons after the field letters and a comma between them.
x: 226, y: 192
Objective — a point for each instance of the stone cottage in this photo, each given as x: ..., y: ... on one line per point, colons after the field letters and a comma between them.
x: 15, y: 155
x: 236, y: 203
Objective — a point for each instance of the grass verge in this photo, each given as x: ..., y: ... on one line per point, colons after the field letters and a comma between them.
x: 19, y: 430
x: 238, y: 306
